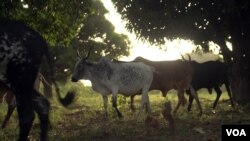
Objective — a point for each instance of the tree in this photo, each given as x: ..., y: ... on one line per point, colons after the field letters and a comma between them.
x: 97, y: 31
x: 201, y: 21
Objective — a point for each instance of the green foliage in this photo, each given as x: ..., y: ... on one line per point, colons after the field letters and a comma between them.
x: 97, y: 32
x: 64, y: 59
x: 58, y: 21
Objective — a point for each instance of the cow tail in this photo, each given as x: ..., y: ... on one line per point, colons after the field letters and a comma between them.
x: 68, y: 99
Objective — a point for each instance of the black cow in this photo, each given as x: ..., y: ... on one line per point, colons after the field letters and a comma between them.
x: 21, y: 53
x: 209, y: 75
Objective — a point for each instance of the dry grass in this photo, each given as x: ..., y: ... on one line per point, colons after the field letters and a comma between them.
x: 84, y: 120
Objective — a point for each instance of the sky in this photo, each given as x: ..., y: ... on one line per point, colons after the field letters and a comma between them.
x: 171, y: 50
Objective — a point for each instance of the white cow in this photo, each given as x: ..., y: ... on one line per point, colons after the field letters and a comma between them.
x: 108, y: 77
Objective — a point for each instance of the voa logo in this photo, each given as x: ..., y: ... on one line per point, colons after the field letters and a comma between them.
x: 236, y: 132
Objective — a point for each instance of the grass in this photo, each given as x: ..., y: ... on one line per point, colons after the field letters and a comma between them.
x: 84, y: 119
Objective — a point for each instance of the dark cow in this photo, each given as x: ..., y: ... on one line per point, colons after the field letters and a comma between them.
x: 209, y: 75
x: 21, y: 53
x: 169, y: 75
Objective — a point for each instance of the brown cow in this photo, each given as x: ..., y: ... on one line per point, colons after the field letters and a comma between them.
x: 169, y: 75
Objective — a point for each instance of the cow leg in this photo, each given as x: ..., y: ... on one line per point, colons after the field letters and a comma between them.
x: 177, y: 107
x: 26, y: 116
x: 181, y: 100
x: 10, y: 110
x: 105, y: 103
x: 10, y: 99
x: 194, y: 94
x: 114, y: 104
x: 145, y: 100
x: 148, y: 104
x: 190, y: 102
x: 218, y: 91
x: 164, y: 93
x: 132, y: 106
x: 41, y: 105
x: 181, y: 97
x: 229, y: 94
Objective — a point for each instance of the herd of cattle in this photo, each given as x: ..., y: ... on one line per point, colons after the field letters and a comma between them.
x: 21, y: 53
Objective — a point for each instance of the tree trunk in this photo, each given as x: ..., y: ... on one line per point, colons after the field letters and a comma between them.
x: 240, y: 85
x: 240, y: 69
x: 239, y: 73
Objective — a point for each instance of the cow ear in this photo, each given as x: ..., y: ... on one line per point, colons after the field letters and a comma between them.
x: 189, y: 57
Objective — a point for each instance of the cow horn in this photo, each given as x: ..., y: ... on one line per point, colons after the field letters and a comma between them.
x: 189, y: 57
x: 78, y: 54
x: 182, y: 57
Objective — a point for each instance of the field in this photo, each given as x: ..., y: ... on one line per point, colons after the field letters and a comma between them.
x: 84, y: 119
